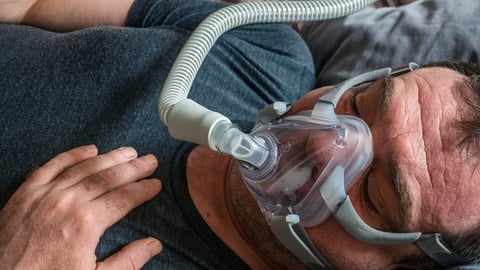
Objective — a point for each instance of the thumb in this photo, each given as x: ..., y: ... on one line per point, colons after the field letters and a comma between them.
x: 133, y: 256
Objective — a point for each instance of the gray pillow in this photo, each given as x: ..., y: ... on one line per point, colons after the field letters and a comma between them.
x: 422, y: 32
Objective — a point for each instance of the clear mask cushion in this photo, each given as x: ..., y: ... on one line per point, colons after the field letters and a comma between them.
x: 304, y: 152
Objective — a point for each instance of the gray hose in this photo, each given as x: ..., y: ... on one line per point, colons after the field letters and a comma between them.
x: 187, y: 64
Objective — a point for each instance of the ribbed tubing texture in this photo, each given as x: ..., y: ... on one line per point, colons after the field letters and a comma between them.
x: 187, y: 64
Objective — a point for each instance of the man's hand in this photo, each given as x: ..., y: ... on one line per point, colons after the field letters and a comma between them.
x: 55, y: 219
x: 65, y: 15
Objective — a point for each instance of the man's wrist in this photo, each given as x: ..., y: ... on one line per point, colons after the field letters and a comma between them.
x: 62, y: 15
x: 14, y: 11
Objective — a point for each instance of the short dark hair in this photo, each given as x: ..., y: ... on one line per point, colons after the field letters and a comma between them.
x: 470, y: 127
x: 466, y: 244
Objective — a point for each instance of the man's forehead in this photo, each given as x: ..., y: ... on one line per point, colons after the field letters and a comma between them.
x: 446, y: 173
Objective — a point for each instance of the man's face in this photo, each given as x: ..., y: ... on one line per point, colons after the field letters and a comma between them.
x: 419, y: 179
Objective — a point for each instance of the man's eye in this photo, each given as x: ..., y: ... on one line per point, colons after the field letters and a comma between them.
x: 353, y: 98
x: 353, y: 103
x: 366, y: 195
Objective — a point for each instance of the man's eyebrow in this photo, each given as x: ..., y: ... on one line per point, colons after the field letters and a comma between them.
x: 400, y: 188
x: 398, y: 181
x: 386, y: 95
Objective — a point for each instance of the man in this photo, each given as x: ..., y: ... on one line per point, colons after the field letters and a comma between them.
x: 103, y: 90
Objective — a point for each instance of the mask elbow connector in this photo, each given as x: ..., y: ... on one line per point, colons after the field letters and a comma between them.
x: 228, y: 139
x: 189, y: 121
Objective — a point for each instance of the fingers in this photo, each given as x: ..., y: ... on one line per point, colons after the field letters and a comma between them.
x: 60, y: 163
x: 113, y: 205
x: 132, y: 256
x: 108, y: 183
x: 113, y: 177
x: 103, y: 186
x: 94, y: 165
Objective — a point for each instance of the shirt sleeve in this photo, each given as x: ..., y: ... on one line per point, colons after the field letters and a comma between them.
x: 181, y: 13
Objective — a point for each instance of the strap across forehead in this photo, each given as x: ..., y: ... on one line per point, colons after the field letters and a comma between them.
x: 327, y: 102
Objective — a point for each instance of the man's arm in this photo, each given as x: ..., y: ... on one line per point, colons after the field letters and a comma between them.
x: 65, y: 15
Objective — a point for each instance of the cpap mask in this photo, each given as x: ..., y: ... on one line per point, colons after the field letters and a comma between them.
x: 315, y: 157
x: 308, y: 153
x: 300, y: 167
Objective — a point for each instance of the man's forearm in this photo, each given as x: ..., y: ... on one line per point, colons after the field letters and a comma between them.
x: 66, y: 15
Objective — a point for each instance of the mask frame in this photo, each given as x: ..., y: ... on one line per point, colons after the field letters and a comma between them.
x: 288, y: 227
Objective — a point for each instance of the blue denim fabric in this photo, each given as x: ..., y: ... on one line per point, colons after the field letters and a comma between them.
x: 101, y: 85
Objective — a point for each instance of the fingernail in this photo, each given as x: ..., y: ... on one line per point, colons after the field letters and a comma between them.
x: 154, y: 246
x: 128, y: 152
x: 91, y: 148
x: 151, y: 159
